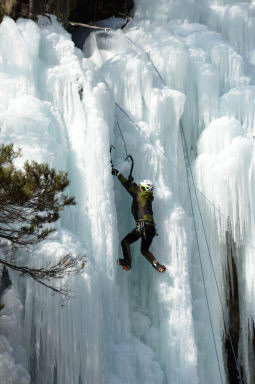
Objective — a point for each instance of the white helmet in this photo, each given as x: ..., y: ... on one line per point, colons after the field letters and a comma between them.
x: 147, y: 185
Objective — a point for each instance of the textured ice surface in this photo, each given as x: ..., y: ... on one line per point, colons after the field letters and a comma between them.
x: 12, y: 362
x: 61, y: 106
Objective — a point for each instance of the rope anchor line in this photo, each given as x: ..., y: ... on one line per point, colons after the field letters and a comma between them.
x: 187, y: 162
x: 199, y: 254
x: 217, y: 210
x: 188, y: 166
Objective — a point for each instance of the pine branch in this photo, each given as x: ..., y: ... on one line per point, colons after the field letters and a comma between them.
x: 68, y: 265
x: 30, y: 199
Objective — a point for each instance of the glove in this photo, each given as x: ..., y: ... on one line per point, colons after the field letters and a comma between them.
x: 115, y: 172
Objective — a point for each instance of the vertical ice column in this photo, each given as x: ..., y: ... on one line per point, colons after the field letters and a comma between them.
x: 69, y: 129
x: 161, y: 302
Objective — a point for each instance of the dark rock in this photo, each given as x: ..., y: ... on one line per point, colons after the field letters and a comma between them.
x: 232, y: 339
x: 72, y: 10
x: 5, y: 281
x: 93, y: 10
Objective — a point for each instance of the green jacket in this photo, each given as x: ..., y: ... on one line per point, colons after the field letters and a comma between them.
x: 142, y: 201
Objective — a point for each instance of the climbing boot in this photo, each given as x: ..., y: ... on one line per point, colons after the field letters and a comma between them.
x: 125, y: 264
x: 158, y: 267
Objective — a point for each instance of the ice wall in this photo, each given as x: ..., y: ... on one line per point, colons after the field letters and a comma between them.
x: 58, y: 108
x: 63, y: 106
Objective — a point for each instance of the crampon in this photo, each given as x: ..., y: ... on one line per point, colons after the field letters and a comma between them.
x: 125, y: 264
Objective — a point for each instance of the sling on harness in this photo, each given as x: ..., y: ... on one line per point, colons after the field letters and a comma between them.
x: 140, y: 225
x: 140, y: 228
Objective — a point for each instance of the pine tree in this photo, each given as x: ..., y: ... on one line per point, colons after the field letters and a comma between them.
x: 31, y: 198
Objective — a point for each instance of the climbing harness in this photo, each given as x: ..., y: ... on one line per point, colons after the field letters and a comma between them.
x: 140, y: 224
x: 140, y: 229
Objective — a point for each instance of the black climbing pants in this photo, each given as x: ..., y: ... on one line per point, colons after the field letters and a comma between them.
x: 134, y: 235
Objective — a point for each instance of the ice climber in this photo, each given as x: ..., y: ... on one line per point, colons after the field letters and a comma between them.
x: 145, y: 227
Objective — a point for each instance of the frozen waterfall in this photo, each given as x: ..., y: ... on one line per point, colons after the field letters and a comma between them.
x: 188, y: 60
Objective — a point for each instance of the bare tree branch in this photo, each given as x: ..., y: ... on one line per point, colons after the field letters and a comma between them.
x: 68, y: 265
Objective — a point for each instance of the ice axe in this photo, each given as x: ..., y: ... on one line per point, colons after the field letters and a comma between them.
x: 130, y: 177
x: 111, y: 148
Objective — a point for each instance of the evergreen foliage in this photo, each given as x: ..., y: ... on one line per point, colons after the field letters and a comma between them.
x: 30, y: 198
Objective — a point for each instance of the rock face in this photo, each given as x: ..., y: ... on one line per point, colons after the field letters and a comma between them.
x: 73, y: 10
x: 5, y: 281
x: 92, y: 10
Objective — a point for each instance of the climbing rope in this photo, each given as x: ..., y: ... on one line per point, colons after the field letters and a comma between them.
x: 188, y: 165
x: 122, y: 139
x: 199, y: 253
x: 217, y: 210
x: 140, y: 129
x: 128, y: 156
x: 220, y: 213
x: 148, y: 57
x: 129, y: 118
x: 164, y: 83
x: 187, y: 161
